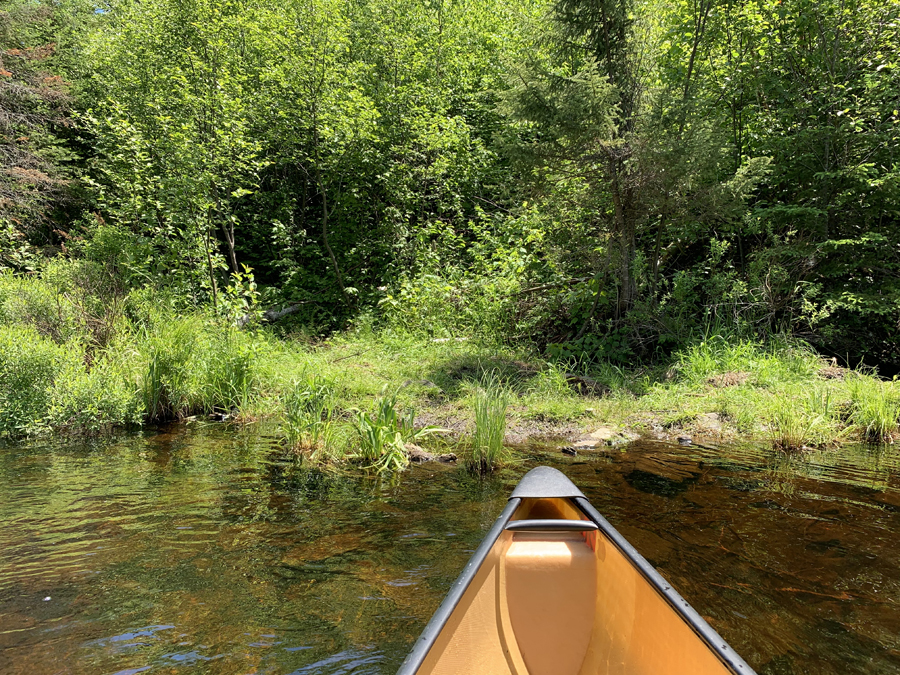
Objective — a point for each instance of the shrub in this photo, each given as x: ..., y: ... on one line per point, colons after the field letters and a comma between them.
x: 31, y: 301
x: 29, y: 364
x: 96, y: 399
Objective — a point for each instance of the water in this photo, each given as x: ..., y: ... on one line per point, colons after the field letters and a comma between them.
x: 203, y: 551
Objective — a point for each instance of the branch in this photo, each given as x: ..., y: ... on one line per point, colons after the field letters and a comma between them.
x: 272, y: 315
x: 542, y: 287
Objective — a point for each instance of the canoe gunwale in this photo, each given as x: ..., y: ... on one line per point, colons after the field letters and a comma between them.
x: 681, y: 606
x: 414, y: 659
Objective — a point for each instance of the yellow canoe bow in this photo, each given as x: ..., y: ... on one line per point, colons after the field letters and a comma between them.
x: 554, y: 589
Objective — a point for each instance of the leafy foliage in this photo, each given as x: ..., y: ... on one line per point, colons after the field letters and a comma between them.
x: 29, y: 364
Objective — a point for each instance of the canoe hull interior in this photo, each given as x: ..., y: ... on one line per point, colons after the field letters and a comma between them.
x: 564, y: 603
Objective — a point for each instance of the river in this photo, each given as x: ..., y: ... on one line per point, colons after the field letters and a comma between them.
x: 201, y: 549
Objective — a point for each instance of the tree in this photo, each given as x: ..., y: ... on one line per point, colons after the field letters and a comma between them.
x: 35, y: 106
x: 172, y: 94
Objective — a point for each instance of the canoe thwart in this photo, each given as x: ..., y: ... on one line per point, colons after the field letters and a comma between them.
x: 551, y: 525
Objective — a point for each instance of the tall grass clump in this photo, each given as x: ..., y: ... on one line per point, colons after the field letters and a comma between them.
x: 491, y: 401
x: 805, y: 419
x: 779, y: 361
x: 169, y: 386
x: 29, y: 364
x: 875, y: 408
x: 231, y: 378
x: 309, y: 417
x: 384, y: 433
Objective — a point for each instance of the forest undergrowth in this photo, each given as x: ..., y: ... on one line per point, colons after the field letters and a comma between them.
x: 366, y: 393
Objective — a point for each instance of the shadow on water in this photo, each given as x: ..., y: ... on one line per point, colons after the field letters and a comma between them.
x: 202, y: 550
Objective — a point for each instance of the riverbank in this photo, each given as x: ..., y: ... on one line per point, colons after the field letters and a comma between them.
x: 326, y: 393
x: 717, y: 390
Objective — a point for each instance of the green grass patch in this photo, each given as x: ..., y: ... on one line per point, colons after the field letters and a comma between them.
x: 875, y: 408
x: 343, y: 397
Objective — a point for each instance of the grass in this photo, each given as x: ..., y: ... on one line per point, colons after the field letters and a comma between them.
x: 491, y: 401
x: 354, y: 394
x: 309, y: 417
x: 875, y: 408
x: 805, y: 419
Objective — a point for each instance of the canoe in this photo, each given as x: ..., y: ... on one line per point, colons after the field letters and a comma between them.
x: 554, y: 589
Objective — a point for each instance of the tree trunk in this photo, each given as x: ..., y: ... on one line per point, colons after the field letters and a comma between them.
x: 624, y: 235
x: 334, y: 262
x: 228, y: 231
x: 209, y: 265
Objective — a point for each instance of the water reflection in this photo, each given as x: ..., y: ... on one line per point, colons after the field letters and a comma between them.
x: 203, y: 551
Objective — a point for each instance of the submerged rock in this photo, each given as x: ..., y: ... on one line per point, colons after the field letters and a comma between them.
x: 603, y: 434
x: 419, y: 454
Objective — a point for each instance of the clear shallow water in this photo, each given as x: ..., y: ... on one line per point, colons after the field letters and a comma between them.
x: 201, y: 551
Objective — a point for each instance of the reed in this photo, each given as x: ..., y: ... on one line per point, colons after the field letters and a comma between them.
x: 309, y: 417
x: 491, y: 401
x: 875, y: 409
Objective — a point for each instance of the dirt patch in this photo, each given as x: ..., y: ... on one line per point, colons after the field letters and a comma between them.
x: 832, y: 373
x: 459, y: 425
x: 730, y: 379
x: 446, y: 417
x: 521, y: 431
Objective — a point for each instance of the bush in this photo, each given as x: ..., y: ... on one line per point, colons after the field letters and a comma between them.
x: 97, y: 399
x: 31, y: 301
x: 29, y: 364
